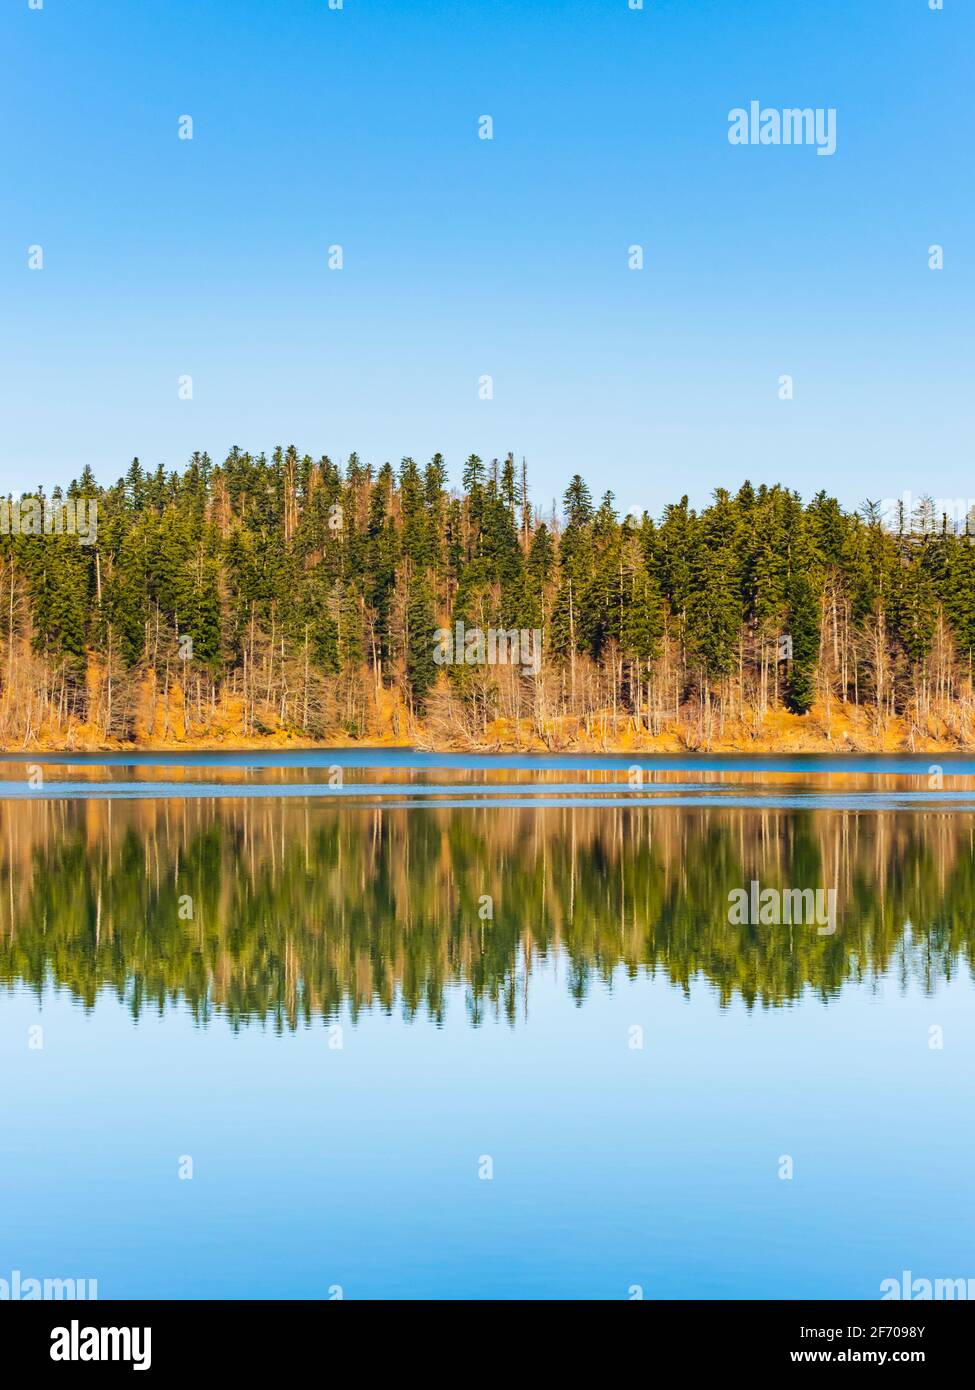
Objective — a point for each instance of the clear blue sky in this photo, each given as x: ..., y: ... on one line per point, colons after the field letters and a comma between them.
x: 165, y: 257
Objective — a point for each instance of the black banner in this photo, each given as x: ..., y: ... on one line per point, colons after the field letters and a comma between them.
x: 165, y: 1338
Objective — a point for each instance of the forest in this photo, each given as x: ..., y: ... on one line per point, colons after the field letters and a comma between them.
x: 297, y: 599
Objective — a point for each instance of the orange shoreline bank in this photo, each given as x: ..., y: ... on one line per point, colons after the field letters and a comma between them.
x: 780, y: 733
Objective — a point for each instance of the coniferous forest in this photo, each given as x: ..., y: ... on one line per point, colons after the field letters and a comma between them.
x: 292, y: 597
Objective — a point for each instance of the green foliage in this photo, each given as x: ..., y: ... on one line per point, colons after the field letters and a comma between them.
x: 804, y: 633
x: 269, y: 561
x: 421, y: 670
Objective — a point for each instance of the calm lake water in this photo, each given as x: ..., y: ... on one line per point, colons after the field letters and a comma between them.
x: 457, y: 1026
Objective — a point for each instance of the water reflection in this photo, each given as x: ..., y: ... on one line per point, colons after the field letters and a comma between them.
x: 286, y: 912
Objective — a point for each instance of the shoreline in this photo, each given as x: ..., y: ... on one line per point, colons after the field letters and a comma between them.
x: 662, y: 747
x: 833, y: 730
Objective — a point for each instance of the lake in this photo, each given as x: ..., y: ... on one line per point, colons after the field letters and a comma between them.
x: 384, y: 1024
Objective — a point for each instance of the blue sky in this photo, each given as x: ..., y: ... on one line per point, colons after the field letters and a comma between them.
x: 463, y: 257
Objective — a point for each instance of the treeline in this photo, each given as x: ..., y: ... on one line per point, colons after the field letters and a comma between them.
x: 289, y: 594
